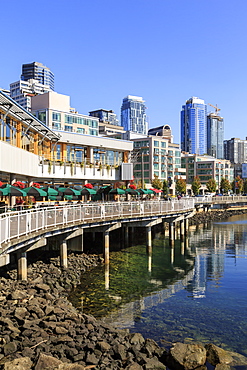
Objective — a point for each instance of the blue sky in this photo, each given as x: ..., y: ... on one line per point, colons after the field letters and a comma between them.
x: 163, y: 50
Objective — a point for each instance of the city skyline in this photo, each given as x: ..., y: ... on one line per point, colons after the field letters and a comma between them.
x: 165, y: 52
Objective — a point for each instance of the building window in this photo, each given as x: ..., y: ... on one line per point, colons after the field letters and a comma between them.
x: 42, y: 116
x: 56, y: 116
x: 68, y: 128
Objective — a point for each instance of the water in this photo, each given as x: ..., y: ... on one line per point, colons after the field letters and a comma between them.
x: 196, y: 291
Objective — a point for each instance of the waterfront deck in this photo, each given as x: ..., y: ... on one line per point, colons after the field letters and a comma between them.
x: 22, y: 231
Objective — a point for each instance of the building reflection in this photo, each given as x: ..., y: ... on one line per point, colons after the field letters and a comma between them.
x: 206, y: 250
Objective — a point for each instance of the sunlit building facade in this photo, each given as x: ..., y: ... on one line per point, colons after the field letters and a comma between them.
x: 215, y: 135
x: 194, y: 126
x: 39, y: 72
x: 133, y: 115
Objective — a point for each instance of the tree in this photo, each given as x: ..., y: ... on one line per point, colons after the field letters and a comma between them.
x: 225, y: 185
x: 156, y: 182
x: 239, y: 184
x: 211, y: 185
x: 165, y: 187
x: 180, y: 186
x: 196, y: 184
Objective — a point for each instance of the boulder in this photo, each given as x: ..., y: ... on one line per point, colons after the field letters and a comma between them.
x: 23, y: 363
x: 186, y: 356
x: 217, y: 355
x: 47, y: 362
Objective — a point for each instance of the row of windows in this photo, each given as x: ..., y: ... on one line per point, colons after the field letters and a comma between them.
x: 160, y: 143
x: 81, y: 121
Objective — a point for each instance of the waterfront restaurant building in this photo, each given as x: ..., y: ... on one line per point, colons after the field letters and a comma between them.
x: 31, y: 151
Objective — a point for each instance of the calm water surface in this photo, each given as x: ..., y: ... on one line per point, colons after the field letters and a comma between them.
x: 194, y: 291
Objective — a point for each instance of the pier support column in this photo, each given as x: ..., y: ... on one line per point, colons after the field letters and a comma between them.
x: 172, y: 253
x: 149, y: 262
x: 171, y: 233
x: 107, y: 247
x: 182, y: 247
x: 132, y: 235
x: 149, y: 239
x: 182, y: 229
x: 186, y: 226
x: 63, y: 254
x: 107, y: 276
x: 93, y: 236
x: 22, y: 266
x: 126, y: 236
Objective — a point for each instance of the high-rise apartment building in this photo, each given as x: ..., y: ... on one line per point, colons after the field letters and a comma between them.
x: 36, y: 79
x: 194, y: 126
x: 133, y: 115
x: 215, y: 135
x: 235, y: 150
x: 39, y: 72
x: 22, y: 91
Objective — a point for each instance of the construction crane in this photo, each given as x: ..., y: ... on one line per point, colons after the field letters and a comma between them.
x: 215, y: 107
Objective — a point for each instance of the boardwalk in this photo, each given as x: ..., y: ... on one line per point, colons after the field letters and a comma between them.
x: 16, y: 224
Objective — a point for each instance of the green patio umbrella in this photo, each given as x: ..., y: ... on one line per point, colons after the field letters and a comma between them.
x: 69, y: 191
x: 142, y: 191
x: 131, y: 191
x: 49, y: 191
x: 87, y: 191
x: 36, y: 192
x: 117, y: 191
x: 13, y: 191
x: 104, y: 189
x: 150, y: 191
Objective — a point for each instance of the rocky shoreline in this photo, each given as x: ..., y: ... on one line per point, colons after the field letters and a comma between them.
x: 215, y: 215
x: 40, y: 329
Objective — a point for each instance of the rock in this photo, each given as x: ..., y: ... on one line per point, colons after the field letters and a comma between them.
x: 43, y: 287
x: 119, y: 351
x: 23, y: 363
x: 71, y: 367
x: 222, y: 367
x: 134, y: 366
x: 91, y: 359
x: 18, y: 294
x: 103, y: 346
x: 47, y: 362
x: 154, y: 364
x: 9, y: 348
x: 186, y: 356
x: 136, y: 338
x: 217, y: 355
x: 60, y: 330
x: 20, y: 313
x: 9, y: 324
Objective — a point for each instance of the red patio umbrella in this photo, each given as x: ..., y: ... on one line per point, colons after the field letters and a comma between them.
x: 156, y: 190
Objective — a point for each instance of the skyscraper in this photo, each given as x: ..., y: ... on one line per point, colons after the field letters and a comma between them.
x: 194, y: 126
x: 36, y: 79
x: 133, y: 115
x: 39, y: 72
x: 215, y: 135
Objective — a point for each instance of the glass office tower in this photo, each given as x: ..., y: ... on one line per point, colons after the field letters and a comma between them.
x: 194, y: 126
x: 133, y: 115
x: 38, y: 72
x: 215, y: 136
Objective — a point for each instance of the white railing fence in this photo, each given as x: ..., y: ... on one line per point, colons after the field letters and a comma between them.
x: 18, y: 223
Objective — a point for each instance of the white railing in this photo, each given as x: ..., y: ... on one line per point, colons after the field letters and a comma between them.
x: 221, y: 199
x: 18, y: 223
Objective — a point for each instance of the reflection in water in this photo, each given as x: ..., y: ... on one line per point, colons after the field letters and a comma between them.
x: 194, y: 290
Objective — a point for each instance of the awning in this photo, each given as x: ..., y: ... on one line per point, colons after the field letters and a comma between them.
x: 11, y: 108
